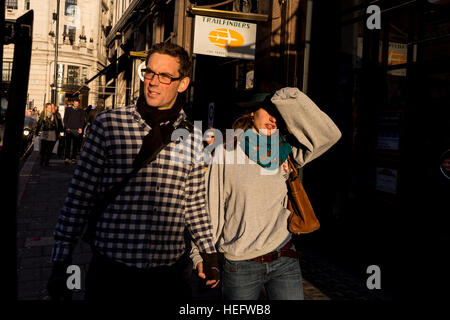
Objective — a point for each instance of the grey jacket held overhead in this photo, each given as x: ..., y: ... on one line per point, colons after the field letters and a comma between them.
x: 312, y: 128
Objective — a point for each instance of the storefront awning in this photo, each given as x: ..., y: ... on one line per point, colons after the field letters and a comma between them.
x: 101, y: 72
x: 111, y: 70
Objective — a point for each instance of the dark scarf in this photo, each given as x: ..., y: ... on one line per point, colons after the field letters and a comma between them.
x: 161, y: 122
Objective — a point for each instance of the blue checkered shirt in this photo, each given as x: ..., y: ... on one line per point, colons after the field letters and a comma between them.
x: 144, y: 226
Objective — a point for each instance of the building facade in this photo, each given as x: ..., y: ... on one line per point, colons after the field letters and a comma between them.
x: 81, y: 50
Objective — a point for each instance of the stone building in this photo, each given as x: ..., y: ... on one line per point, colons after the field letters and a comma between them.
x: 81, y: 49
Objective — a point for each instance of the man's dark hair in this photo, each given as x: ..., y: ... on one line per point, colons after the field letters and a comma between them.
x: 175, y: 51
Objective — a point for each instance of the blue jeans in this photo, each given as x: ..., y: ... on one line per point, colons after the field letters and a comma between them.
x: 243, y: 280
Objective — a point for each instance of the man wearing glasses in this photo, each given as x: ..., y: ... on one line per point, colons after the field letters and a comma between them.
x: 138, y: 247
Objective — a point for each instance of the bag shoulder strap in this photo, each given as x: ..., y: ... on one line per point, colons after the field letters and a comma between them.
x: 294, y: 171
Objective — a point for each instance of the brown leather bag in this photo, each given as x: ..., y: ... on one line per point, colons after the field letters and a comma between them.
x: 302, y: 218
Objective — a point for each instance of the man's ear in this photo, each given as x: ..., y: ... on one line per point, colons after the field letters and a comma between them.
x: 184, y: 83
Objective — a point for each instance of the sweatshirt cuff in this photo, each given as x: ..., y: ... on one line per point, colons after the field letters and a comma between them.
x: 196, y: 259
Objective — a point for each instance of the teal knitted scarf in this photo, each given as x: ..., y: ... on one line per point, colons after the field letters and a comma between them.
x: 263, y: 149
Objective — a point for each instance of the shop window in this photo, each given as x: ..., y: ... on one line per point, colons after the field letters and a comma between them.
x: 73, y: 73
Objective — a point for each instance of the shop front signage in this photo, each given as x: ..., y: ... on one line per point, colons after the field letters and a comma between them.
x: 224, y: 38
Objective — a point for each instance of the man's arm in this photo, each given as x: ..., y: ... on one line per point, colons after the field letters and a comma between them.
x: 80, y: 196
x: 215, y: 194
x: 66, y: 116
x: 83, y: 119
x: 197, y: 219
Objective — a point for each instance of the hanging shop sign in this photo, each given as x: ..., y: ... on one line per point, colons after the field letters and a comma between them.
x: 60, y: 75
x: 224, y: 38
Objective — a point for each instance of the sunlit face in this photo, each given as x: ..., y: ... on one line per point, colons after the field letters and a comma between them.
x: 210, y: 138
x: 263, y: 120
x: 160, y: 95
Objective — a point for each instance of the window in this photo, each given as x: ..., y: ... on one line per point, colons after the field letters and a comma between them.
x: 11, y: 4
x: 27, y: 5
x: 73, y: 73
x: 83, y: 74
x: 7, y: 69
x: 72, y: 33
x: 70, y: 8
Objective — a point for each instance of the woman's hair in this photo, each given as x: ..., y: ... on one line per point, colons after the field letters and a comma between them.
x: 175, y: 51
x: 44, y: 112
x: 244, y: 121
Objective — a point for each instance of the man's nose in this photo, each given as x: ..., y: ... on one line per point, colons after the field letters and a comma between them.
x: 154, y: 80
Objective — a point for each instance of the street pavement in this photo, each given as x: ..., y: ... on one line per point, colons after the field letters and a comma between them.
x: 41, y: 194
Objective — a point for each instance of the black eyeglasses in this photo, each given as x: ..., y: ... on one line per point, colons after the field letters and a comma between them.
x: 162, y: 77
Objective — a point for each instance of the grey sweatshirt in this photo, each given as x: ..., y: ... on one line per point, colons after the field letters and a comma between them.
x: 247, y: 203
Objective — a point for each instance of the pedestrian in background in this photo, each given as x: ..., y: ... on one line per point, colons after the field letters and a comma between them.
x: 48, y: 127
x: 35, y: 113
x: 60, y: 131
x: 74, y: 119
x: 55, y: 111
x: 91, y: 113
x: 247, y: 203
x: 139, y: 249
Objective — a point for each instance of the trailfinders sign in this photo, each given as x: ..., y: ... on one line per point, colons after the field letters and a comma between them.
x: 224, y: 38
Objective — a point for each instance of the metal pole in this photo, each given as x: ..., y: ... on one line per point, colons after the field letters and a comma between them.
x: 55, y: 82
